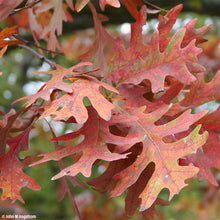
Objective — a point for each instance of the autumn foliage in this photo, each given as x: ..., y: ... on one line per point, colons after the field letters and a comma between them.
x: 134, y: 105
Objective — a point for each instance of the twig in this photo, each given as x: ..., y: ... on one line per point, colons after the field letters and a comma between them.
x: 41, y: 57
x: 155, y: 6
x: 25, y: 7
x: 18, y: 37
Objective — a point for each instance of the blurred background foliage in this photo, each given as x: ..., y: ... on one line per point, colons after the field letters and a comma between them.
x: 197, y: 201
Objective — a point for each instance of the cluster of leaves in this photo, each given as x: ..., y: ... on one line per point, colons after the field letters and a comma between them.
x: 133, y: 104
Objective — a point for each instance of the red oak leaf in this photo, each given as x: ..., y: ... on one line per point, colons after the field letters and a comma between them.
x: 139, y: 61
x: 209, y: 157
x: 71, y: 104
x: 126, y: 57
x: 166, y: 23
x: 12, y: 177
x: 136, y: 96
x: 132, y: 6
x: 200, y: 93
x: 192, y: 33
x: 5, y: 125
x: 56, y: 82
x: 103, y: 42
x: 56, y: 22
x: 132, y: 200
x: 165, y: 156
x: 64, y: 187
x: 94, y: 146
x: 171, y: 62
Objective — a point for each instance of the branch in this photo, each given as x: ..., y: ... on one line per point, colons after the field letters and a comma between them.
x: 18, y: 37
x: 41, y: 57
x: 30, y: 5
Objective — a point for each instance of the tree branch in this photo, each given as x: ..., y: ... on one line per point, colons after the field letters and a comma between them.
x: 18, y: 37
x: 32, y: 4
x: 41, y: 57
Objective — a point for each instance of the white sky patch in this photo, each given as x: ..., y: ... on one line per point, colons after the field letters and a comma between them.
x: 101, y: 169
x: 208, y: 21
x: 57, y: 127
x: 187, y: 20
x: 153, y: 22
x: 30, y: 72
x: 12, y: 79
x: 125, y: 28
x: 44, y: 67
x: 32, y: 87
x: 7, y: 94
x: 211, y: 106
x: 146, y: 29
x: 18, y: 57
x: 178, y: 24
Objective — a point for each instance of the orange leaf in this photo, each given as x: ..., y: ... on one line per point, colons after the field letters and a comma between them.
x: 7, y: 32
x: 2, y: 51
x: 71, y: 104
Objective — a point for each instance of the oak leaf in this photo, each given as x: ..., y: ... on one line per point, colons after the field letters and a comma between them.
x: 71, y: 104
x: 165, y: 25
x: 171, y: 62
x: 12, y: 177
x: 94, y: 146
x: 199, y: 94
x: 140, y: 62
x: 167, y: 173
x: 132, y: 6
x: 209, y: 157
x: 103, y: 42
x: 56, y: 82
x: 167, y: 22
x: 6, y: 124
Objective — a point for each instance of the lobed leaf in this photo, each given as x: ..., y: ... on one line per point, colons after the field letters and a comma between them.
x: 71, y: 104
x: 94, y: 146
x: 168, y: 173
x: 56, y: 82
x: 171, y: 62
